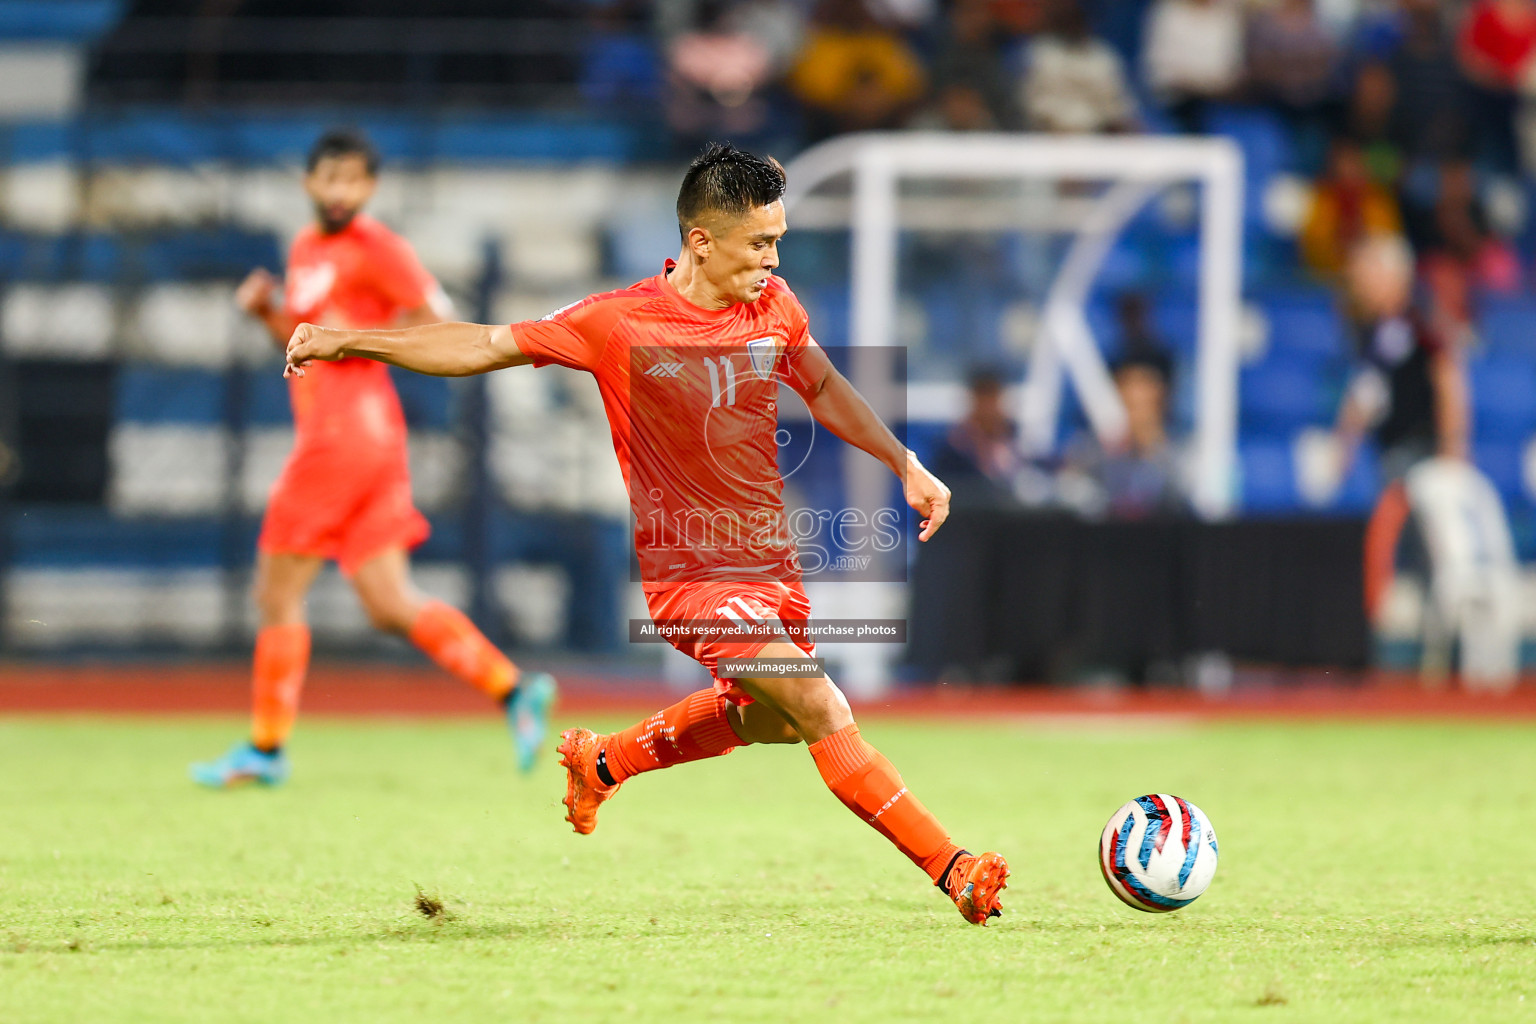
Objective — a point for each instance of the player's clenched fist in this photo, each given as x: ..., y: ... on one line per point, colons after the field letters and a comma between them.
x: 927, y: 494
x: 254, y: 296
x: 309, y: 343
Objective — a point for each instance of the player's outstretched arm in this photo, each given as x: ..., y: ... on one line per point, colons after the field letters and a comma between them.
x: 441, y: 350
x: 839, y: 407
x: 257, y: 298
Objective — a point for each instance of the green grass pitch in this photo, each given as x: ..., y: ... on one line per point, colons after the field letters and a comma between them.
x: 1367, y: 873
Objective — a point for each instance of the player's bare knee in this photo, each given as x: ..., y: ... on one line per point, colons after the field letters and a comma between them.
x: 754, y: 723
x: 389, y: 617
x: 778, y: 731
x: 275, y: 606
x: 823, y: 710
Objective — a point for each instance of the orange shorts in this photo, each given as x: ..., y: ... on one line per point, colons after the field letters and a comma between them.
x: 343, y: 506
x: 725, y: 602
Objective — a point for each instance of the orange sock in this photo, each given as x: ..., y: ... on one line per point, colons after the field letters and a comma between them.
x: 867, y: 784
x: 277, y: 678
x: 447, y: 636
x: 694, y: 728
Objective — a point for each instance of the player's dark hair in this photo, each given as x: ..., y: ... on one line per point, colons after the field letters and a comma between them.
x: 1145, y: 355
x: 343, y: 142
x: 985, y: 377
x: 724, y: 179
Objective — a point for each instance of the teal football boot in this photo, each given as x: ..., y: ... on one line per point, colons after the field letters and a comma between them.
x: 528, y: 715
x: 243, y: 763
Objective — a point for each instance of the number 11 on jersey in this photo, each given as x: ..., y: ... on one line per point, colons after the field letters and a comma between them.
x: 725, y: 369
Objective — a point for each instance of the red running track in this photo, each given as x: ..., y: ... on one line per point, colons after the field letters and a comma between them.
x: 408, y: 692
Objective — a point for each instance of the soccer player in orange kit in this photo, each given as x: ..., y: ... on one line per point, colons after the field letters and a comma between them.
x: 345, y: 491
x: 689, y: 364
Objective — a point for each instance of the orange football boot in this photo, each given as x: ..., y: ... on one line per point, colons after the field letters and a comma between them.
x: 584, y: 791
x: 976, y: 884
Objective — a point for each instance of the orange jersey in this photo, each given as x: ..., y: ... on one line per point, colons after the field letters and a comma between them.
x: 345, y: 491
x: 692, y: 401
x: 362, y: 276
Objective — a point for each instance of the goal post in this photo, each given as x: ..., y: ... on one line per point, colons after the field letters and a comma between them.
x: 1139, y: 167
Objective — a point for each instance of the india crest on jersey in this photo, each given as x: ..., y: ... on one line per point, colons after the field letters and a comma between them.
x: 764, y: 355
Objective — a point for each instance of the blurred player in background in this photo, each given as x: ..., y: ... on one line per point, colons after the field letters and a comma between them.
x: 689, y: 364
x: 1410, y: 392
x: 345, y: 491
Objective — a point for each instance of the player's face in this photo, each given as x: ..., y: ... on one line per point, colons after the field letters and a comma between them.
x: 744, y: 253
x: 1379, y: 287
x: 339, y: 186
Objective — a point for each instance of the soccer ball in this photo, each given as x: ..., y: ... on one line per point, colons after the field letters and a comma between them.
x: 1158, y: 853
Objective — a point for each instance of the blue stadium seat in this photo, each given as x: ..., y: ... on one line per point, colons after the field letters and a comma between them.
x: 1176, y: 318
x: 1104, y: 323
x: 208, y: 254
x: 827, y: 305
x: 924, y: 436
x: 77, y: 20
x: 182, y: 138
x: 1266, y: 262
x: 195, y: 255
x: 1503, y: 390
x: 1282, y: 394
x: 965, y: 326
x: 427, y: 401
x: 1127, y: 265
x: 68, y: 537
x: 1267, y: 149
x: 1501, y: 460
x: 1181, y: 262
x: 619, y: 69
x: 1305, y: 321
x: 1268, y: 476
x: 156, y: 395
x: 266, y: 400
x: 1522, y: 525
x: 1508, y: 324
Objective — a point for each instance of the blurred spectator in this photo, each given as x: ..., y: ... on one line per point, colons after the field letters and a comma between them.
x: 715, y: 78
x: 778, y: 25
x: 980, y: 458
x: 1143, y: 476
x: 1433, y: 102
x: 1193, y: 54
x: 1368, y: 120
x: 1459, y: 256
x: 1291, y: 57
x: 1347, y: 206
x: 1376, y: 28
x: 1074, y: 81
x: 1410, y: 392
x: 1291, y: 66
x: 854, y: 74
x: 910, y: 16
x: 1496, y: 44
x: 9, y: 464
x: 970, y: 86
x: 1133, y: 312
x: 1018, y: 17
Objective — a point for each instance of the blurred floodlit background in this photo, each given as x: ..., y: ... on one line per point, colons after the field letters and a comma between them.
x: 150, y: 153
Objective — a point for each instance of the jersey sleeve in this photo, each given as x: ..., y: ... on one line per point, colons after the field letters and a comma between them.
x: 398, y: 274
x: 572, y: 336
x: 803, y: 359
